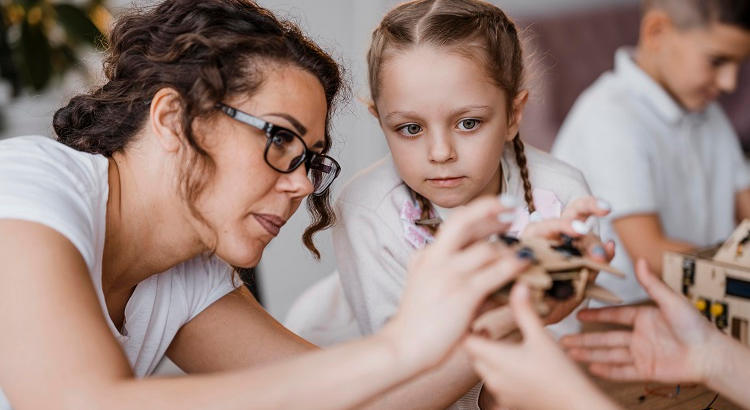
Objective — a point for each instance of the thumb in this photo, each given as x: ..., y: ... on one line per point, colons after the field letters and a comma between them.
x: 482, y: 349
x: 526, y: 317
x: 654, y: 286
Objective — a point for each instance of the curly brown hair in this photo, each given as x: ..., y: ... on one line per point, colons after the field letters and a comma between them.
x: 451, y: 23
x: 207, y: 51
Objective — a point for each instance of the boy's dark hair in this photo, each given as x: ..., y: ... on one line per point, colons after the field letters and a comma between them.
x: 696, y: 13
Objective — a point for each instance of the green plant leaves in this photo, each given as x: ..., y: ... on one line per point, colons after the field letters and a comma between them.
x: 77, y: 24
x: 36, y: 61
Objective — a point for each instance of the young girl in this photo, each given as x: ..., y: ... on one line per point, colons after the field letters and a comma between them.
x: 446, y: 84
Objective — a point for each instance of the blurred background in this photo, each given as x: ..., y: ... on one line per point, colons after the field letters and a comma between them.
x: 48, y: 54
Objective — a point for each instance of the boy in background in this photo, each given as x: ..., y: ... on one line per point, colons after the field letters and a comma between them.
x: 651, y: 139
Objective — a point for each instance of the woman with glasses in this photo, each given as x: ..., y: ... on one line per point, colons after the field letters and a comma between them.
x: 116, y: 240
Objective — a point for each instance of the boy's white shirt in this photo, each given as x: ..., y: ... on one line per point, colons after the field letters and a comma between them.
x: 642, y: 152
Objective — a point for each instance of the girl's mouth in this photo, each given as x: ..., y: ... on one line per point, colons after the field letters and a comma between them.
x: 446, y: 182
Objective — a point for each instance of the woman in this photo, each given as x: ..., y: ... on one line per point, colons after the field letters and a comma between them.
x: 116, y: 241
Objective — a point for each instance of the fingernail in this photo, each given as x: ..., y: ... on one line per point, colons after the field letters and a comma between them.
x: 507, y: 217
x: 580, y: 227
x: 603, y: 205
x: 526, y: 253
x: 598, y: 250
x: 509, y: 201
x: 535, y: 216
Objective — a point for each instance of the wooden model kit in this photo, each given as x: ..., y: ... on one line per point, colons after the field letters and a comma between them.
x: 717, y: 281
x: 558, y: 271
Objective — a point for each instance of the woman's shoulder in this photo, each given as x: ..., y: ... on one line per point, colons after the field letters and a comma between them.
x: 36, y: 155
x: 374, y: 186
x: 46, y: 182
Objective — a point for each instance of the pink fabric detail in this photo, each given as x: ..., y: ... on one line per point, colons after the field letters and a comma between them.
x: 417, y: 236
x: 546, y: 203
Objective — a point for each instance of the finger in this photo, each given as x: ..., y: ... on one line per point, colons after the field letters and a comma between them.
x: 476, y: 221
x: 485, y: 370
x: 654, y: 286
x: 615, y: 372
x: 485, y: 351
x: 615, y: 338
x: 595, y: 249
x: 610, y: 247
x: 550, y: 229
x: 582, y: 208
x: 622, y: 315
x: 497, y: 274
x: 479, y: 255
x: 617, y: 355
x: 526, y: 318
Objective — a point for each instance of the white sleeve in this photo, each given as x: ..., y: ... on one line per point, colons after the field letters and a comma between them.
x: 618, y: 167
x: 205, y: 281
x: 371, y: 275
x: 740, y: 164
x: 46, y: 186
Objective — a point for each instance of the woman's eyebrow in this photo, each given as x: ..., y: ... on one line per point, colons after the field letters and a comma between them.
x: 295, y: 123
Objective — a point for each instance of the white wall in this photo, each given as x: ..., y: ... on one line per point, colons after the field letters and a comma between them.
x: 342, y: 27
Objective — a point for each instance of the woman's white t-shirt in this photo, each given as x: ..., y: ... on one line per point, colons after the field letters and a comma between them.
x: 44, y: 181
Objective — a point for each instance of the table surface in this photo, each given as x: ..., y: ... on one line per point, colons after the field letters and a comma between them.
x: 657, y: 397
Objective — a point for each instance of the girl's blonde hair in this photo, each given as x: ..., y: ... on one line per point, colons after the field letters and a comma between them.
x: 474, y: 28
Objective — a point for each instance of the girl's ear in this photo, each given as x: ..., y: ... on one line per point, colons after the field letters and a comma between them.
x: 373, y: 110
x: 519, y: 103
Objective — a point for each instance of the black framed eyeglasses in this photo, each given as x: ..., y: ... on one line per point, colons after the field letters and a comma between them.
x: 285, y: 151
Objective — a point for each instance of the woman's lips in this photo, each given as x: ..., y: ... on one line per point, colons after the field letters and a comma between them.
x: 270, y: 223
x: 449, y: 182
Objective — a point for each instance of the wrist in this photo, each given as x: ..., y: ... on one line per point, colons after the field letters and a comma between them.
x: 402, y: 349
x: 716, y: 359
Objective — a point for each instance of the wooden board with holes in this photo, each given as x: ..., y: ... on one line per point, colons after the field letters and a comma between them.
x: 717, y: 281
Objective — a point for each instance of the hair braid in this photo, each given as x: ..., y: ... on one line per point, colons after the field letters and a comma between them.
x: 518, y: 148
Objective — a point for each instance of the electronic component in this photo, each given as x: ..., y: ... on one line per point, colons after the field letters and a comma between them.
x: 717, y: 281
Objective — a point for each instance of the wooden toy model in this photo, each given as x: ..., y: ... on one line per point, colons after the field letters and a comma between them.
x: 717, y: 281
x: 558, y: 271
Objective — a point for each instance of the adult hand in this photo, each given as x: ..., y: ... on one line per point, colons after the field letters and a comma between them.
x: 669, y: 342
x: 448, y: 281
x: 535, y: 373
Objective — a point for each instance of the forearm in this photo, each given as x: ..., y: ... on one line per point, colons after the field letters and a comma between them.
x: 643, y: 237
x: 655, y: 254
x: 728, y: 369
x: 342, y: 377
x: 438, y: 388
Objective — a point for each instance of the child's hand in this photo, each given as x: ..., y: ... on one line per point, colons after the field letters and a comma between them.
x: 535, y: 373
x: 668, y: 343
x: 448, y: 281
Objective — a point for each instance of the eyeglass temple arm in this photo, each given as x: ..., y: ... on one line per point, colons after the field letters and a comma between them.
x: 245, y: 118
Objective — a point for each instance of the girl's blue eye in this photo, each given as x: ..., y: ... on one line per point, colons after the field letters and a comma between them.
x: 410, y: 130
x: 468, y: 124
